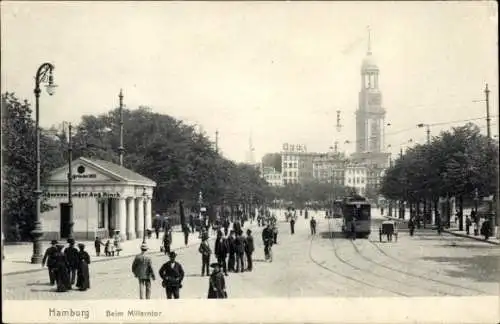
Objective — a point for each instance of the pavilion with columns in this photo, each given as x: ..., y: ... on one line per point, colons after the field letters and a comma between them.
x: 105, y: 197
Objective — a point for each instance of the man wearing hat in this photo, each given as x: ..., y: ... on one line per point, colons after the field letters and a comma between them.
x: 249, y: 248
x: 172, y: 274
x: 205, y: 252
x: 142, y: 268
x: 73, y: 259
x: 217, y: 283
x: 49, y: 257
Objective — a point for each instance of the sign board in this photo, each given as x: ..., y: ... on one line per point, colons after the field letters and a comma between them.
x: 82, y: 194
x: 294, y: 148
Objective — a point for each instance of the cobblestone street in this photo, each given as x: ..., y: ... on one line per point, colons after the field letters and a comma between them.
x: 304, y: 266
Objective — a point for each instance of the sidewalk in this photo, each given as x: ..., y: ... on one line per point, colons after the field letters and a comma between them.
x: 18, y: 256
x: 454, y: 231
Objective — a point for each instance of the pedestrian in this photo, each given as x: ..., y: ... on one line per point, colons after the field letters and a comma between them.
x: 217, y: 283
x: 306, y: 214
x: 191, y: 222
x: 117, y: 242
x: 220, y: 250
x: 486, y: 229
x: 61, y: 270
x: 97, y: 245
x: 232, y: 251
x: 312, y: 224
x: 142, y: 268
x: 275, y: 233
x: 205, y: 252
x: 172, y: 274
x: 267, y: 240
x: 73, y: 260
x: 353, y: 229
x: 226, y: 226
x: 249, y: 248
x: 186, y: 231
x: 109, y: 248
x: 49, y: 257
x: 292, y: 225
x: 239, y: 245
x: 167, y: 240
x: 83, y: 281
x: 468, y: 224
x: 157, y: 226
x: 411, y: 226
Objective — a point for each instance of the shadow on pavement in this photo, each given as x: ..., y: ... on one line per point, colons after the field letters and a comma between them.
x: 482, y: 268
x: 38, y: 284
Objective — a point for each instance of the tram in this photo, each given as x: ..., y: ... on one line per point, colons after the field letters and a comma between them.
x: 359, y: 209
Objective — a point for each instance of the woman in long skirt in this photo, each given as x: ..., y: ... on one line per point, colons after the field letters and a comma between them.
x: 61, y: 270
x: 83, y: 282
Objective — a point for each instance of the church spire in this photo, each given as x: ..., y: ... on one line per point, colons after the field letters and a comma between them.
x: 369, y: 52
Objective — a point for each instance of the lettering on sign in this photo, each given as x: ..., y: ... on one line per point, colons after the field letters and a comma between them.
x: 83, y: 194
x: 84, y: 176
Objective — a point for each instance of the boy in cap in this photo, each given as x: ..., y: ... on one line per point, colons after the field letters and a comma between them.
x: 49, y: 257
x: 142, y: 268
x: 172, y: 274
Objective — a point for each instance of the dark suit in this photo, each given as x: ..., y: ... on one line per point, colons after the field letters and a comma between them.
x: 221, y: 252
x: 172, y: 274
x: 73, y: 258
x: 249, y: 248
x: 49, y: 257
x: 231, y: 250
x: 142, y: 268
x: 239, y: 247
x: 205, y: 251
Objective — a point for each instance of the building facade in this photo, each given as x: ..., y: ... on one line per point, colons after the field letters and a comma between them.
x: 356, y: 176
x: 296, y: 164
x: 330, y: 168
x: 105, y: 197
x: 272, y: 177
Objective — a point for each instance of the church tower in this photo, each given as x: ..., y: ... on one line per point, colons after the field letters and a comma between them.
x: 370, y: 115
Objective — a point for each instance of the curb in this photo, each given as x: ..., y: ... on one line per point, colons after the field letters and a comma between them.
x: 470, y: 237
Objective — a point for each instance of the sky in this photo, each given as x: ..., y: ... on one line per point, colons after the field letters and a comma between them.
x: 275, y: 72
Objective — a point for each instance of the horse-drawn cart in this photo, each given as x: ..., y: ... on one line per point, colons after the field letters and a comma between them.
x: 389, y: 229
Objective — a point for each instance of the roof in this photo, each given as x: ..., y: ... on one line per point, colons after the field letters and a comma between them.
x: 369, y: 63
x: 119, y: 170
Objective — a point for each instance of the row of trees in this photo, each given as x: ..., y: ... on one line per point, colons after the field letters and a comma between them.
x: 180, y: 160
x: 457, y: 163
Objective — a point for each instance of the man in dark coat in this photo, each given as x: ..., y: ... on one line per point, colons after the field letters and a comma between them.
x: 225, y: 224
x: 49, y: 257
x: 61, y: 270
x: 73, y: 259
x: 217, y: 283
x: 239, y: 244
x: 83, y: 281
x: 185, y: 230
x: 249, y: 248
x: 232, y: 251
x: 267, y: 239
x: 191, y: 222
x: 172, y: 275
x: 313, y: 226
x: 205, y: 252
x: 292, y: 225
x: 220, y: 250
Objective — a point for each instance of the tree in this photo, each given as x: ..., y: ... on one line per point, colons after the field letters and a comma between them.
x: 19, y: 165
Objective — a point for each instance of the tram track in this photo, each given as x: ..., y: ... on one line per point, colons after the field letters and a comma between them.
x: 411, y: 274
x: 362, y: 282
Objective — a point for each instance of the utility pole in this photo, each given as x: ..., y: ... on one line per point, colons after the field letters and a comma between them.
x: 493, y: 223
x: 217, y: 141
x: 121, y: 148
x: 70, y: 181
x: 488, y: 119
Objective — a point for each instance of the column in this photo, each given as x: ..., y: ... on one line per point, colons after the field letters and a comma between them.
x: 139, y: 224
x: 121, y: 220
x: 130, y: 218
x: 105, y: 215
x: 149, y: 221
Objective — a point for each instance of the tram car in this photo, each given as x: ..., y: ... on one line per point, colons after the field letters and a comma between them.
x: 356, y: 208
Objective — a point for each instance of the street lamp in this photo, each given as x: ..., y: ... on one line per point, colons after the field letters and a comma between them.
x: 43, y: 75
x: 144, y: 195
x: 70, y: 181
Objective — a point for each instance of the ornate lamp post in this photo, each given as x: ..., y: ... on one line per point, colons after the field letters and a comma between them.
x: 43, y: 75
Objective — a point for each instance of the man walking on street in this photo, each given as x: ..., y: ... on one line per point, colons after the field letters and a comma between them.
x: 73, y: 259
x: 142, y: 268
x: 205, y: 251
x: 249, y: 248
x: 185, y: 230
x: 220, y: 250
x: 312, y: 223
x: 267, y: 239
x: 172, y: 275
x: 468, y: 224
x: 240, y: 252
x: 49, y: 257
x: 292, y: 225
x: 231, y: 250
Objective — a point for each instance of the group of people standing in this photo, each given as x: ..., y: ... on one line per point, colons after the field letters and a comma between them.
x: 67, y: 266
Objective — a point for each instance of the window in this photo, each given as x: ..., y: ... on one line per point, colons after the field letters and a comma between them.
x: 100, y: 215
